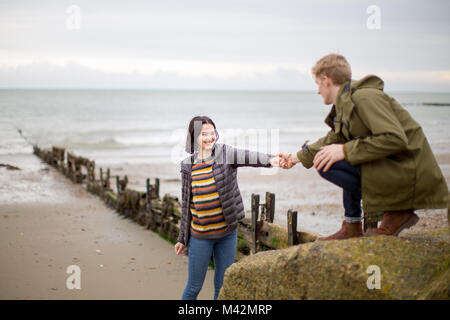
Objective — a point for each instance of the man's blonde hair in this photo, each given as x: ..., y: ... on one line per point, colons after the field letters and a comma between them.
x: 333, y: 66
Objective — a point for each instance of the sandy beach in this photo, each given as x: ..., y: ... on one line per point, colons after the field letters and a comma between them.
x: 48, y: 224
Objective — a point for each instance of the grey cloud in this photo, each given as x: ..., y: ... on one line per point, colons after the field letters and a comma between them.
x: 75, y: 75
x: 414, y: 36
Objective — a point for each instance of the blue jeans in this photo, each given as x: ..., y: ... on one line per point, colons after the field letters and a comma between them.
x: 200, y: 250
x: 348, y: 177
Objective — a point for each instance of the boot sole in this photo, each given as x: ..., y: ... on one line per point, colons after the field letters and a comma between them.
x: 408, y: 224
x: 324, y: 239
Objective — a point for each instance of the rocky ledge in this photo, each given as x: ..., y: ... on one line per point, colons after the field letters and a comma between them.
x: 379, y: 267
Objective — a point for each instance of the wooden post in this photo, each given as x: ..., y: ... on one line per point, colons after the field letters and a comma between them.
x: 371, y: 220
x: 370, y: 225
x: 270, y: 206
x: 107, y: 178
x: 157, y: 187
x: 101, y: 178
x: 91, y: 171
x: 117, y: 185
x: 69, y: 165
x: 255, y: 213
x: 148, y: 187
x: 292, y: 227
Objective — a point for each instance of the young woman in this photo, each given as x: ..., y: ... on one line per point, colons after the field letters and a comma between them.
x: 211, y: 203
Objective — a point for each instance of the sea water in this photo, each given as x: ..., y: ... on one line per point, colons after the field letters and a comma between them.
x: 150, y: 126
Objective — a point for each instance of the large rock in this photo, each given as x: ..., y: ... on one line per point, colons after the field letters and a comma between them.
x: 409, y: 269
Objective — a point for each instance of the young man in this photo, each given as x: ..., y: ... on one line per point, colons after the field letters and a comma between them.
x: 375, y: 151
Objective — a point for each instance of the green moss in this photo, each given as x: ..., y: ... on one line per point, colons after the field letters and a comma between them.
x: 242, y: 244
x: 427, y: 234
x: 112, y: 195
x: 166, y: 237
x: 443, y: 267
x: 386, y: 288
x: 337, y: 270
x: 440, y: 232
x: 264, y: 248
x: 275, y: 242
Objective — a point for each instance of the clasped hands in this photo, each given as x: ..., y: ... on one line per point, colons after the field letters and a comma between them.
x: 324, y: 158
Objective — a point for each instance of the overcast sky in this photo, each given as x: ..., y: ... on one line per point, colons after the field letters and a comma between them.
x: 220, y: 44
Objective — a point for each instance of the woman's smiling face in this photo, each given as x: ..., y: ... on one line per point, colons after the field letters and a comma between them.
x: 207, y: 137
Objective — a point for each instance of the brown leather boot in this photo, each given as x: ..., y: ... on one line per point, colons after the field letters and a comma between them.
x: 348, y: 230
x: 393, y: 223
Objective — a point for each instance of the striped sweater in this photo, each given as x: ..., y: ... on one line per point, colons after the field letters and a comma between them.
x: 208, y: 221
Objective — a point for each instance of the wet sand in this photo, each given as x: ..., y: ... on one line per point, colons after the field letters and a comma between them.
x: 49, y: 224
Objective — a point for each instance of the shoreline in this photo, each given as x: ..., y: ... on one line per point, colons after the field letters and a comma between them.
x: 118, y: 258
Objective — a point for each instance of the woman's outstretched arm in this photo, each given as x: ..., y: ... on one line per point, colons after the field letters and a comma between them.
x: 247, y: 158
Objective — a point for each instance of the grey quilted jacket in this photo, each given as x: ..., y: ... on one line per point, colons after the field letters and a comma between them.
x: 226, y: 161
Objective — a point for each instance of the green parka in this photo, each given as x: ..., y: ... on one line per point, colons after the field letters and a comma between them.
x: 398, y: 168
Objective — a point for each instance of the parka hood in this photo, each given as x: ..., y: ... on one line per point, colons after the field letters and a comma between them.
x: 370, y: 81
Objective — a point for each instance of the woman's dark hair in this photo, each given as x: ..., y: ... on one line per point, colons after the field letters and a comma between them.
x: 194, y: 129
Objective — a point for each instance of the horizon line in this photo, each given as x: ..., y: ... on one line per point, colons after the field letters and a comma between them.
x: 197, y: 89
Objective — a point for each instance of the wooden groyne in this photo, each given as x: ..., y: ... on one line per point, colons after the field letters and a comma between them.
x: 162, y: 215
